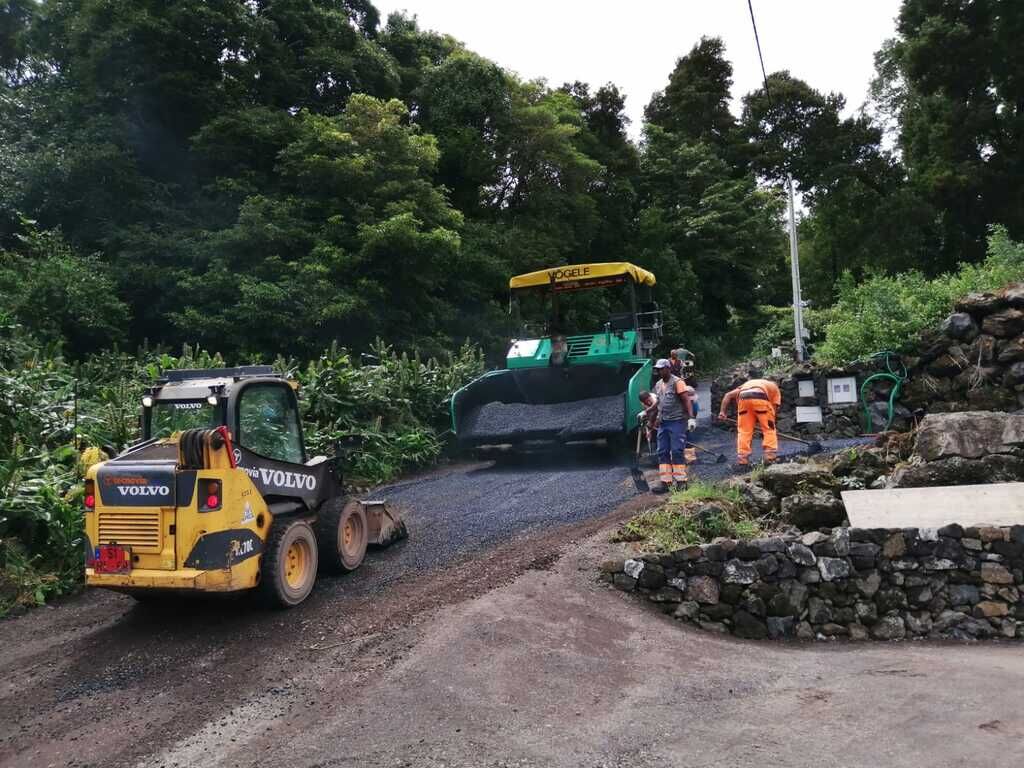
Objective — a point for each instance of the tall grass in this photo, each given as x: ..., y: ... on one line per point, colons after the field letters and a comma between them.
x: 697, y: 515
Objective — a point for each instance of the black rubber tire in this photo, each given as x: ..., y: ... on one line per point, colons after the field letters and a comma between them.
x: 274, y: 586
x: 342, y: 535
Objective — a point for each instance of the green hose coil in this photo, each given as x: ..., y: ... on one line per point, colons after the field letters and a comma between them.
x: 897, y: 375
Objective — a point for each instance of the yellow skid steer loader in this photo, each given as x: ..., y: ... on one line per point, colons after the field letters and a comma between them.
x: 219, y: 496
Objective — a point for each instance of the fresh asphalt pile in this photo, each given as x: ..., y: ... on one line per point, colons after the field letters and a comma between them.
x: 578, y: 420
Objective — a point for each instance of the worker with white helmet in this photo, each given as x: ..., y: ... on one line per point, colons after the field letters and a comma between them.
x: 675, y: 420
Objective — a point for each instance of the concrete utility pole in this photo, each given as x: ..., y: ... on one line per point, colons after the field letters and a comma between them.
x: 794, y: 261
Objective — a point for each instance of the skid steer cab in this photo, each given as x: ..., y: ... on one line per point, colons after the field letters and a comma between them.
x: 220, y: 496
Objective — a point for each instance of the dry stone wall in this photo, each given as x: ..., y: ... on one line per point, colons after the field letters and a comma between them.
x: 851, y: 583
x: 973, y: 361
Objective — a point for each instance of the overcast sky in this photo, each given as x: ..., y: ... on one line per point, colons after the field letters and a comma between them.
x: 828, y: 43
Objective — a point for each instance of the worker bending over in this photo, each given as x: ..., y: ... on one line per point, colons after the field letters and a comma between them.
x: 690, y: 451
x: 675, y: 420
x: 648, y: 417
x: 757, y: 400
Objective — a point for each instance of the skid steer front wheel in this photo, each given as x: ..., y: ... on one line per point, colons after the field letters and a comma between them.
x: 342, y: 534
x: 289, y: 563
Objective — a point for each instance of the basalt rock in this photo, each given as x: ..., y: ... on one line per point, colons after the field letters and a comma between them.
x: 970, y: 435
x: 813, y: 510
x: 960, y: 326
x: 1004, y: 324
x: 792, y: 478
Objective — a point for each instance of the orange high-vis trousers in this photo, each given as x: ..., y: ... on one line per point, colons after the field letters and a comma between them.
x: 670, y: 473
x: 750, y: 414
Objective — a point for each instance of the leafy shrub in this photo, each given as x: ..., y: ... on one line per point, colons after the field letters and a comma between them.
x: 395, y: 404
x: 777, y: 328
x: 887, y: 311
x: 58, y: 293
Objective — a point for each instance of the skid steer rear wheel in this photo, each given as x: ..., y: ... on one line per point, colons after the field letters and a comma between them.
x: 342, y: 535
x: 289, y: 563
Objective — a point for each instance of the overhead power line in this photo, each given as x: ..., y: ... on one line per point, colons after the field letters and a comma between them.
x: 760, y: 56
x: 794, y: 252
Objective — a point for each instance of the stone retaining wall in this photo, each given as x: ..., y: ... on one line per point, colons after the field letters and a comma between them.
x: 842, y: 583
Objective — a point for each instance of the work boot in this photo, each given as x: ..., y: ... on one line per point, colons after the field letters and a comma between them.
x: 682, y: 485
x: 659, y: 488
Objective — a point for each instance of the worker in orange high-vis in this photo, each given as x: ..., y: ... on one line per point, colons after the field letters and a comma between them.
x: 675, y: 421
x: 757, y: 401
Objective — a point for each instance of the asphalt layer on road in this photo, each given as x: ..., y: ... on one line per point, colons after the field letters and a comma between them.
x: 463, y: 509
x: 97, y: 679
x: 722, y: 442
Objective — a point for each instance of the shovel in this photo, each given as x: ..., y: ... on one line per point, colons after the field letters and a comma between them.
x: 813, y: 446
x: 638, y: 476
x: 720, y: 458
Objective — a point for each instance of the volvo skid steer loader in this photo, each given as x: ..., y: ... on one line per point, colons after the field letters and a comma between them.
x: 219, y: 496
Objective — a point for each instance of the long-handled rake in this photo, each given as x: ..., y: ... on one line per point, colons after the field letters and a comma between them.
x: 813, y: 446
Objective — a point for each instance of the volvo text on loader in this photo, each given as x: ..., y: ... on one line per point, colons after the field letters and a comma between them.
x: 220, y: 496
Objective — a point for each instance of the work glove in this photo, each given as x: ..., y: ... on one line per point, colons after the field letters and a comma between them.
x: 691, y: 425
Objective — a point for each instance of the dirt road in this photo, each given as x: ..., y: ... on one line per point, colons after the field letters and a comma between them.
x: 483, y: 641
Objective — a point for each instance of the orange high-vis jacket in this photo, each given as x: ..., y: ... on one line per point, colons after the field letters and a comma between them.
x: 770, y: 388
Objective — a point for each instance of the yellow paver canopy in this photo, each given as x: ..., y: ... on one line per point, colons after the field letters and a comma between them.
x: 583, y: 273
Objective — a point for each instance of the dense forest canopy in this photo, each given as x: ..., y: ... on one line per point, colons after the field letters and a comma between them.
x: 268, y: 176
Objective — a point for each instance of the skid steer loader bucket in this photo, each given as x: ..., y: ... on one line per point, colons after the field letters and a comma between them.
x: 384, y: 524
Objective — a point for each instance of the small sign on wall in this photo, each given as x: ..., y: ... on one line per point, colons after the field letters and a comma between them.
x: 805, y: 387
x: 842, y: 390
x: 808, y: 414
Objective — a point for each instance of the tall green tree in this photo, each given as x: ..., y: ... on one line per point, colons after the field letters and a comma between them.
x: 704, y: 221
x: 355, y: 242
x: 863, y: 214
x: 727, y: 230
x: 952, y: 80
x: 604, y: 138
x: 695, y: 104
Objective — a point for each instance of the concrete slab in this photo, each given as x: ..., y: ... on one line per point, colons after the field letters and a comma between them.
x: 995, y: 504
